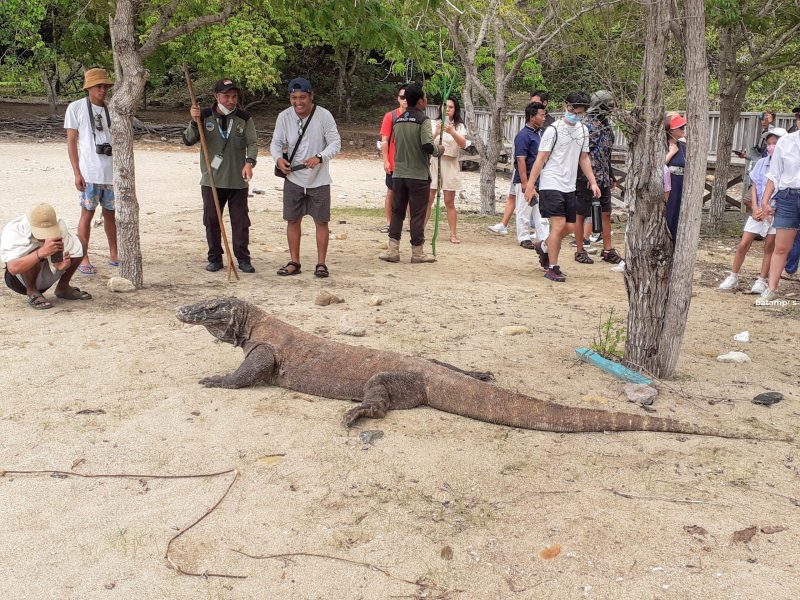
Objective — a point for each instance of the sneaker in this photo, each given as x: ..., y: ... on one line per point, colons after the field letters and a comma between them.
x: 585, y: 243
x: 595, y: 238
x: 729, y: 283
x: 759, y: 287
x: 246, y: 267
x: 620, y: 268
x: 544, y: 257
x: 214, y: 265
x: 554, y: 274
x: 499, y: 229
x: 768, y: 296
x: 527, y: 244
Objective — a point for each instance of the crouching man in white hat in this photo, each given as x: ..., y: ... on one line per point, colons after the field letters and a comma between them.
x: 38, y: 252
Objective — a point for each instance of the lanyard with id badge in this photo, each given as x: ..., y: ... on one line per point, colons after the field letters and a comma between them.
x: 218, y: 158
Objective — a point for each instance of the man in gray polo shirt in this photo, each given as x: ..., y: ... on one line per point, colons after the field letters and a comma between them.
x: 307, y: 187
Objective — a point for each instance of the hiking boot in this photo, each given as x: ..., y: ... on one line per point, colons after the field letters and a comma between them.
x: 499, y: 229
x: 554, y: 274
x: 392, y: 254
x: 418, y: 255
x: 730, y: 283
x: 544, y: 257
x: 611, y: 256
x: 214, y: 265
x: 765, y: 298
x: 246, y: 267
x: 759, y: 287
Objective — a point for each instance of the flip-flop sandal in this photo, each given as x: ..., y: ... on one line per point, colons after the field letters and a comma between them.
x: 74, y: 293
x: 321, y: 271
x: 384, y: 229
x: 87, y: 269
x: 454, y: 240
x: 39, y: 302
x: 113, y: 263
x: 284, y: 270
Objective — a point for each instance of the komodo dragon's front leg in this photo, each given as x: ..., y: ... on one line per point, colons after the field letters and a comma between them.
x: 389, y: 390
x: 257, y: 368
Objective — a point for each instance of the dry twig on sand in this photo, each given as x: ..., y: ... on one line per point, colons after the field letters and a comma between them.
x: 173, y: 564
x: 421, y: 583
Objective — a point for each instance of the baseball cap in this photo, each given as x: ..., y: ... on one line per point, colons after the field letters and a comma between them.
x: 44, y: 224
x: 602, y: 98
x: 776, y: 131
x: 677, y: 122
x: 225, y: 85
x: 298, y: 84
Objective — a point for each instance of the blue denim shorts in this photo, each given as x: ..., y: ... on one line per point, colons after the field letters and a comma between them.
x: 97, y: 193
x: 787, y: 209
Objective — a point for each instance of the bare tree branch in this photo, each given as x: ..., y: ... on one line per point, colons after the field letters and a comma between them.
x: 169, y: 35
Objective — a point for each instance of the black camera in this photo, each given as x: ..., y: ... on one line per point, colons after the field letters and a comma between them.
x: 103, y: 149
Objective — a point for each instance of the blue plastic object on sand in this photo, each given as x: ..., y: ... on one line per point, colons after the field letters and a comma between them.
x: 609, y: 366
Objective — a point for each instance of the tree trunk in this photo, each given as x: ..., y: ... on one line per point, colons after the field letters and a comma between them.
x: 131, y: 77
x: 680, y: 280
x: 341, y: 71
x: 50, y: 80
x: 648, y: 249
x: 729, y: 109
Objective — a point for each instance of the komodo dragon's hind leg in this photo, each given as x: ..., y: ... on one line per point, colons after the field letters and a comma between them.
x: 257, y: 368
x: 390, y: 390
x: 482, y: 375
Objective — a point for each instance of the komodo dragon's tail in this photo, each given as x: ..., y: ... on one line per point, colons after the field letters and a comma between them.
x: 503, y: 407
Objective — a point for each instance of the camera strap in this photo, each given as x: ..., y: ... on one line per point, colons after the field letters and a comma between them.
x: 91, y: 119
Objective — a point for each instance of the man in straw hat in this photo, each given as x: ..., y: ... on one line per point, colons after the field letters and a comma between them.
x: 38, y: 252
x: 88, y: 126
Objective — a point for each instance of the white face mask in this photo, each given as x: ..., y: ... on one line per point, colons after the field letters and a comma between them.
x: 223, y: 110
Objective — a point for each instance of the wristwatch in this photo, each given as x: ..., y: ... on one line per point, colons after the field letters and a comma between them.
x: 319, y: 156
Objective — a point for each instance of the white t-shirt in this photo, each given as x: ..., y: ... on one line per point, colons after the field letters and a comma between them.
x: 16, y: 241
x: 95, y: 168
x: 561, y: 169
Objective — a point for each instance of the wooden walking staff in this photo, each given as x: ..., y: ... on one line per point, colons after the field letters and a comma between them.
x: 203, y: 144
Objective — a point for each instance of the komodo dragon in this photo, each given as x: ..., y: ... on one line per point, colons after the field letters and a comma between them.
x: 279, y: 354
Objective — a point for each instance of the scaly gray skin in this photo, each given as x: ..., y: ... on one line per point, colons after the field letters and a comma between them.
x: 279, y: 354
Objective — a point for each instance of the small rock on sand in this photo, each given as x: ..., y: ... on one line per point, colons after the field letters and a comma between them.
x: 375, y: 301
x: 324, y: 298
x: 640, y: 393
x: 120, y: 284
x: 734, y: 357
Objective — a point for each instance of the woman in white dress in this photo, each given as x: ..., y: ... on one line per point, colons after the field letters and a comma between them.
x: 454, y: 138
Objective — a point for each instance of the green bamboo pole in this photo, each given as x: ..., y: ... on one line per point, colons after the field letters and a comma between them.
x: 447, y: 86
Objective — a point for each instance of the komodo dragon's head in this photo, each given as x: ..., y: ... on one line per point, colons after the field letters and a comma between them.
x: 223, y: 317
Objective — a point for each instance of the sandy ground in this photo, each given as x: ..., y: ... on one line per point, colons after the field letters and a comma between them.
x: 620, y: 506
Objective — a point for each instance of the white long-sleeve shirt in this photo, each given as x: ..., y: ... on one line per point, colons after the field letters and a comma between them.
x: 321, y: 137
x: 784, y: 168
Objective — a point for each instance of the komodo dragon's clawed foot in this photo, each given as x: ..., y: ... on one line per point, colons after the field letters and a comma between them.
x: 214, y: 381
x: 482, y: 375
x: 367, y: 411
